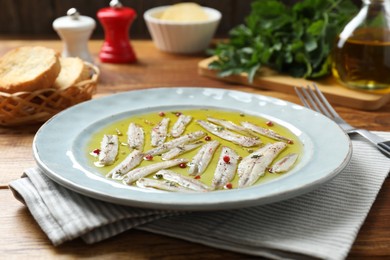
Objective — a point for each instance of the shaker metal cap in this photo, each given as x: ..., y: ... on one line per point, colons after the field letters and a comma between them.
x: 74, y: 21
x: 73, y: 13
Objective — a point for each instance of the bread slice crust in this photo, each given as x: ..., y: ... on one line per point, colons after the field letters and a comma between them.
x: 28, y: 68
x: 73, y: 70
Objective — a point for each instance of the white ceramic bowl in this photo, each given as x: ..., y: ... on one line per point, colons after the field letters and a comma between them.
x: 181, y: 37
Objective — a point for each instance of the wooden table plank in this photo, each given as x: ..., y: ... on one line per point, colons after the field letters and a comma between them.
x: 373, y: 238
x: 16, y: 155
x: 154, y: 69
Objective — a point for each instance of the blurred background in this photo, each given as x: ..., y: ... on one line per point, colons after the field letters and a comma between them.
x: 34, y: 18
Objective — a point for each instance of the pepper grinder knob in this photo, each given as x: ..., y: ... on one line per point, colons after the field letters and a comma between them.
x: 116, y: 21
x: 75, y: 30
x: 116, y: 4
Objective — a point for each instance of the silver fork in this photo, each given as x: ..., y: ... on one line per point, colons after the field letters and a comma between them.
x: 312, y: 98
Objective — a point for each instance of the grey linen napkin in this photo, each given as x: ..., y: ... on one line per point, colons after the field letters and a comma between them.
x: 322, y: 224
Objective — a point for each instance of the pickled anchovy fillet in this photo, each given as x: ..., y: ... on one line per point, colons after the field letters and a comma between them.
x: 180, y: 125
x: 176, y: 142
x: 159, y: 132
x: 252, y: 167
x: 264, y: 131
x: 225, y: 170
x: 246, y: 165
x: 228, y: 125
x: 284, y: 164
x: 161, y: 185
x: 186, y: 182
x: 129, y: 163
x: 256, y: 154
x: 228, y: 135
x: 176, y: 151
x: 141, y: 172
x: 202, y: 159
x: 135, y: 137
x: 108, y: 149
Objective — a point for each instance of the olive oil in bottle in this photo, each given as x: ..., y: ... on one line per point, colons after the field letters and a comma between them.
x: 361, y: 56
x: 363, y: 61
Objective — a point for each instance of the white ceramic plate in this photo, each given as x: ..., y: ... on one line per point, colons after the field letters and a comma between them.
x: 57, y: 144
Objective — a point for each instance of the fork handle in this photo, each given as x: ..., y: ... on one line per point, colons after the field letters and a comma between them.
x: 373, y: 138
x: 379, y: 142
x: 384, y: 147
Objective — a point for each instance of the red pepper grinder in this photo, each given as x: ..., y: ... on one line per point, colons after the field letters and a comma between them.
x: 116, y: 21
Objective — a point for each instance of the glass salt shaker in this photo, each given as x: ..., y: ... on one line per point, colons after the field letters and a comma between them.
x: 361, y: 56
x: 75, y: 31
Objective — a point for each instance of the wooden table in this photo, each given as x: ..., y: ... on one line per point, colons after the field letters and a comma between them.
x: 21, y: 237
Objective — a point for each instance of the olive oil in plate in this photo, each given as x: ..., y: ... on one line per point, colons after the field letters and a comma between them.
x: 148, y: 120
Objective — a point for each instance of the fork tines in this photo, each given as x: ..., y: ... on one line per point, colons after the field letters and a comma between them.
x: 312, y: 98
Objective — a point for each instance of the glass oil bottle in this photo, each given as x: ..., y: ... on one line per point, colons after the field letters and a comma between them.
x: 361, y: 56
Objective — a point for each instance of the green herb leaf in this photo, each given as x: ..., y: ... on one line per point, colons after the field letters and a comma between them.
x: 296, y: 40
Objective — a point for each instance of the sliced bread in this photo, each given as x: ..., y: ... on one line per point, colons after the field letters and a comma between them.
x: 73, y: 70
x: 28, y: 68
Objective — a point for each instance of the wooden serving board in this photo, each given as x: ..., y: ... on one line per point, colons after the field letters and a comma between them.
x: 335, y: 92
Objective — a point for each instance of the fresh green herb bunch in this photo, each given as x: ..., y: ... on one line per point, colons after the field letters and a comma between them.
x: 296, y: 40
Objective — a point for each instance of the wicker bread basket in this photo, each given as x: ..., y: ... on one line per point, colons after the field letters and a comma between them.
x: 23, y: 108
